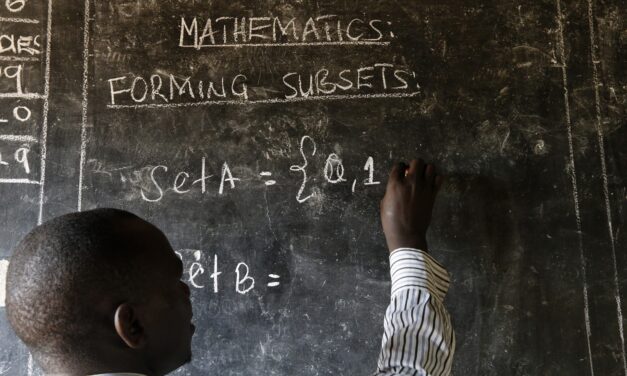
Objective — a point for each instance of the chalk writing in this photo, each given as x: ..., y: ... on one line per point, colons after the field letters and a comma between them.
x: 226, y: 176
x: 182, y: 182
x: 153, y: 89
x: 334, y: 169
x: 20, y: 44
x: 242, y: 281
x: 19, y: 114
x: 267, y: 174
x: 215, y: 274
x: 195, y: 270
x: 16, y: 162
x: 274, y: 278
x: 22, y: 52
x: 370, y: 168
x: 375, y: 81
x: 11, y: 75
x: 19, y: 50
x: 301, y: 168
x: 370, y: 77
x: 15, y: 6
x: 22, y: 113
x: 21, y: 157
x: 275, y: 31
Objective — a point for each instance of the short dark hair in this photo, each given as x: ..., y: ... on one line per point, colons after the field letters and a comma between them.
x: 58, y: 273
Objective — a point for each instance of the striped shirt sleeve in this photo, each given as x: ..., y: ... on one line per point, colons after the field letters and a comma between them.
x: 418, y: 337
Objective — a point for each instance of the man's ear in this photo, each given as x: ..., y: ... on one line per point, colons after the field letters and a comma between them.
x: 129, y: 327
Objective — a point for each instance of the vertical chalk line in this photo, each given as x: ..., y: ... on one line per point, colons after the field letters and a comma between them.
x: 30, y: 365
x: 4, y: 265
x: 44, y: 137
x: 84, y: 104
x: 44, y: 129
x: 606, y: 194
x: 573, y: 178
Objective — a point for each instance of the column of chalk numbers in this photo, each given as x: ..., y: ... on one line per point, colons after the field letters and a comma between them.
x: 24, y: 86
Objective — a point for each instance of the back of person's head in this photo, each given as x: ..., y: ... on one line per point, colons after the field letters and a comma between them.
x: 80, y: 286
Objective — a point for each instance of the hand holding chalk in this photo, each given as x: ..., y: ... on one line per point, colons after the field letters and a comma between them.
x: 407, y: 205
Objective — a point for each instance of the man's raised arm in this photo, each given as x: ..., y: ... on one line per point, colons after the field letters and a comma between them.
x: 418, y: 337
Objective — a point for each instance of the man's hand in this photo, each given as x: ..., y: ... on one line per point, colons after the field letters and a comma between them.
x: 407, y: 204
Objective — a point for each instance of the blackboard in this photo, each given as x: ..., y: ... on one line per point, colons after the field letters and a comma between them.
x: 258, y: 136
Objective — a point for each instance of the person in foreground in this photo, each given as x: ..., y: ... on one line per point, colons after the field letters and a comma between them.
x: 100, y: 292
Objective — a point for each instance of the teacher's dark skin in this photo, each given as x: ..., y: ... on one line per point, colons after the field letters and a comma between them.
x: 407, y: 205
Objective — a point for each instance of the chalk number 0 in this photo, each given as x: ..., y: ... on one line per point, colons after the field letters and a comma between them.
x: 15, y: 5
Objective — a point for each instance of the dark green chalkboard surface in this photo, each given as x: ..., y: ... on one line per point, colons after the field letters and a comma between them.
x: 258, y: 135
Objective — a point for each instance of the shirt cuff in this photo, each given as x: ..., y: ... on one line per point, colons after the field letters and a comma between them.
x: 413, y: 268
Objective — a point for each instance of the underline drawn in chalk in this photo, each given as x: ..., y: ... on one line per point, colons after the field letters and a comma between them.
x: 293, y: 44
x: 17, y: 138
x: 19, y: 58
x: 22, y: 95
x: 18, y: 20
x: 264, y: 101
x: 19, y: 181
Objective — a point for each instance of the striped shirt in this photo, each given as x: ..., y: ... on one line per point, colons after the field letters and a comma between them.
x: 418, y: 337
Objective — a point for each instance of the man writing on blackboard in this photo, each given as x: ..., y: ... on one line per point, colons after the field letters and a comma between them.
x: 100, y: 292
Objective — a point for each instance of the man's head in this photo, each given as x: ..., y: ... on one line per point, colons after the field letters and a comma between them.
x: 100, y: 291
